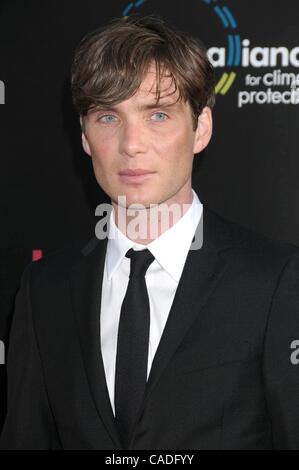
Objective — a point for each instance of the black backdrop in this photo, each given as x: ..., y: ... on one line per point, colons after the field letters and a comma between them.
x: 249, y: 173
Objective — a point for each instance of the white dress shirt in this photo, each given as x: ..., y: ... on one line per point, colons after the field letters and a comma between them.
x: 170, y: 250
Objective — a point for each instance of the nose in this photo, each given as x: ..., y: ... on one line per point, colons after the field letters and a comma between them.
x: 133, y: 139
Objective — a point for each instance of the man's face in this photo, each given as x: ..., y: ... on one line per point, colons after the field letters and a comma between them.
x: 139, y: 135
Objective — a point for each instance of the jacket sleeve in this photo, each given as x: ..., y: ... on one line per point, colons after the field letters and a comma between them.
x: 281, y: 359
x: 29, y: 422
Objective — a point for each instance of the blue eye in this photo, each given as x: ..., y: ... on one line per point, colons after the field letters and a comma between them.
x: 161, y: 116
x: 107, y: 118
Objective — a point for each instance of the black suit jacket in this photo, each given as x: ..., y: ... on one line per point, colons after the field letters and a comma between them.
x: 224, y: 374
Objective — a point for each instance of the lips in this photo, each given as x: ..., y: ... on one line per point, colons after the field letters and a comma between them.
x: 137, y: 172
x: 138, y: 176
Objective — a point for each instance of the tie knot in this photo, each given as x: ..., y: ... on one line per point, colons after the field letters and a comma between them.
x: 140, y: 261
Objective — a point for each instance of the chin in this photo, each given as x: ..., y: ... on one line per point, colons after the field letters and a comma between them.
x: 136, y: 202
x: 136, y: 199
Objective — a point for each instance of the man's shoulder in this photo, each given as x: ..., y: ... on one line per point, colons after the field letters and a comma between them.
x: 61, y: 261
x: 247, y: 241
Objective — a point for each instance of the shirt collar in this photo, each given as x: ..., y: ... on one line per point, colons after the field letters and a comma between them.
x: 176, y: 240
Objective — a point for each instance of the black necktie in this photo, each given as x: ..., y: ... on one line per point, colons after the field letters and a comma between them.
x: 132, y: 345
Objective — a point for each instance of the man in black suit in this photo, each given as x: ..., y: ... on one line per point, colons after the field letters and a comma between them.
x: 182, y: 339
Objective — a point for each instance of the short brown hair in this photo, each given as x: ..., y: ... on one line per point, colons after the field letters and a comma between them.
x: 110, y: 63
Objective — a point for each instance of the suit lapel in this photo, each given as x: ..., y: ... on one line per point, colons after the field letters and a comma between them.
x: 86, y: 290
x: 202, y: 271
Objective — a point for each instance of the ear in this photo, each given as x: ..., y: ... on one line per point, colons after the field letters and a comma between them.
x: 85, y: 143
x: 204, y: 129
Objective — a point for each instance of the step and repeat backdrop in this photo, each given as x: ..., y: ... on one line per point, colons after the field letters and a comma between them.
x: 249, y: 173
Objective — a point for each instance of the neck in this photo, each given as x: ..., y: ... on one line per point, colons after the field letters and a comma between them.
x: 146, y: 224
